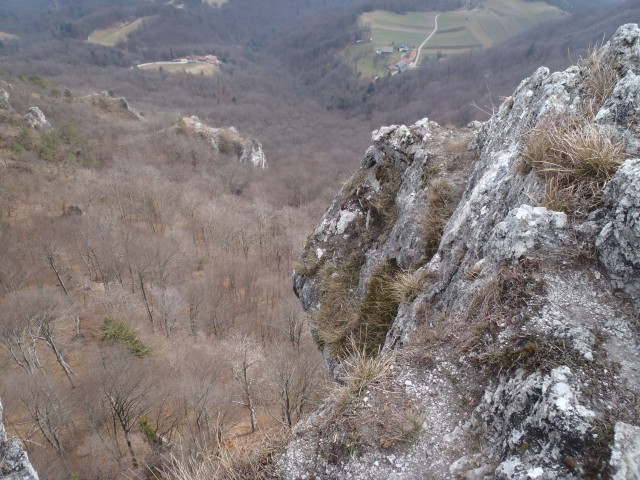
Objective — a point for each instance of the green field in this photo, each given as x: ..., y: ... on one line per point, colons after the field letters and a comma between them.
x: 114, y: 35
x: 198, y: 68
x: 5, y: 37
x: 390, y: 28
x: 491, y: 22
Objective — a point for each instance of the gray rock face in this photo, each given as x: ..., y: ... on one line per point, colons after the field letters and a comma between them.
x: 228, y: 140
x: 14, y: 463
x: 115, y: 106
x: 539, y: 307
x: 5, y: 88
x: 4, y: 100
x: 619, y: 241
x: 36, y: 118
x: 625, y: 456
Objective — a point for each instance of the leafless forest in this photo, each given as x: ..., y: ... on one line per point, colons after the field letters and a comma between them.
x: 146, y: 310
x: 146, y: 300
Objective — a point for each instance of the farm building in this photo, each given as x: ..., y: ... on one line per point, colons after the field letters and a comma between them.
x: 403, y: 65
x: 384, y: 51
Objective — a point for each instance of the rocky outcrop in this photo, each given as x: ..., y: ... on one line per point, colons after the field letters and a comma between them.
x: 619, y: 240
x: 5, y: 88
x: 518, y: 308
x: 14, y: 463
x: 227, y: 141
x: 36, y: 119
x: 113, y: 106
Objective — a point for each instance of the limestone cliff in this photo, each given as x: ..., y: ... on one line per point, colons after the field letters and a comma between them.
x: 497, y: 268
x: 226, y: 140
x: 117, y: 107
x: 14, y: 463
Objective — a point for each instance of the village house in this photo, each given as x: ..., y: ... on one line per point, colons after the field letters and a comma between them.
x: 384, y: 51
x: 403, y: 65
x: 212, y: 59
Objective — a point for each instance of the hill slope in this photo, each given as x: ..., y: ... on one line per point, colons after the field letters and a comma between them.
x: 515, y: 303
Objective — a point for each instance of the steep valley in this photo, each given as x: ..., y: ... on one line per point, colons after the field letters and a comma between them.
x: 479, y: 317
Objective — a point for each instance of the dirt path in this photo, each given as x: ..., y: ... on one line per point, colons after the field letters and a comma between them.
x: 435, y: 29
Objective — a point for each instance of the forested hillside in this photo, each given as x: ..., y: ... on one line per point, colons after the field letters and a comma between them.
x: 146, y: 316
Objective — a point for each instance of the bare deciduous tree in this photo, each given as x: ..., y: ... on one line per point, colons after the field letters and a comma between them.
x: 295, y: 379
x: 49, y: 413
x: 245, y: 357
x: 170, y: 306
x: 126, y: 384
x: 34, y: 316
x: 52, y: 256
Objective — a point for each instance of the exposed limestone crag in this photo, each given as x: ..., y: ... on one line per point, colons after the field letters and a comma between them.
x: 525, y: 322
x: 227, y: 141
x: 5, y: 88
x: 619, y: 240
x: 36, y: 119
x: 14, y: 463
x: 115, y: 106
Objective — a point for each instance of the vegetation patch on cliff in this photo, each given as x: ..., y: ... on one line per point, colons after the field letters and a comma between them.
x: 575, y: 159
x: 345, y: 325
x: 439, y: 205
x: 337, y: 316
x: 369, y: 409
x: 574, y: 156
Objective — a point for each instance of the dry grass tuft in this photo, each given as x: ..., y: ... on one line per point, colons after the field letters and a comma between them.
x: 383, y: 205
x: 500, y: 302
x: 337, y: 316
x: 406, y: 285
x: 360, y: 371
x: 378, y: 309
x: 575, y: 157
x: 576, y: 160
x: 309, y: 263
x: 600, y: 79
x: 342, y: 321
x: 251, y: 460
x: 438, y: 209
x: 457, y: 145
x: 403, y: 426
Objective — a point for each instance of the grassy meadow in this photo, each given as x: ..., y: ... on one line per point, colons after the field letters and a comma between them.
x: 199, y: 68
x: 489, y: 23
x: 113, y: 35
x: 492, y: 22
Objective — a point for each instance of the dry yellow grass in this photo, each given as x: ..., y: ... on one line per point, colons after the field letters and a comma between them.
x: 438, y: 209
x: 360, y: 371
x: 576, y: 159
x: 601, y: 79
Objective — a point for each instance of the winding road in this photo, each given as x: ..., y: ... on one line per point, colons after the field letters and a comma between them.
x: 435, y: 29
